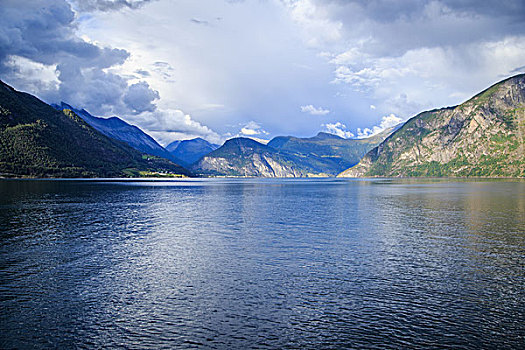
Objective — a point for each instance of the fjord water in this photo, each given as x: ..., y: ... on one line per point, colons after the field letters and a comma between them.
x: 262, y: 263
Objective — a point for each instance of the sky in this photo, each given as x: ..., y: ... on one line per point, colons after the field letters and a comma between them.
x: 217, y: 69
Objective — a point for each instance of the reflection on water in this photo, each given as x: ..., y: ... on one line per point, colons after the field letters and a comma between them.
x: 322, y: 263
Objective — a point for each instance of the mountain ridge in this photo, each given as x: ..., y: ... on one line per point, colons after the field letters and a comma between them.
x: 118, y: 129
x: 484, y: 136
x: 36, y: 140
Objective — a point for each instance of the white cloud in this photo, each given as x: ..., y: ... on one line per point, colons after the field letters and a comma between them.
x: 373, y: 107
x: 314, y: 111
x: 426, y: 78
x: 38, y: 78
x: 412, y: 55
x: 338, y: 129
x: 252, y: 128
x: 387, y: 121
x: 318, y: 28
x: 172, y: 124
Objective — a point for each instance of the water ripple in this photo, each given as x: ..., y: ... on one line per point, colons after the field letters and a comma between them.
x: 216, y: 264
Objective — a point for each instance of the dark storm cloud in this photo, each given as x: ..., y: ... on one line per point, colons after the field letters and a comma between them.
x: 139, y: 97
x: 43, y: 31
x: 388, y: 10
x: 397, y: 26
x: 509, y: 8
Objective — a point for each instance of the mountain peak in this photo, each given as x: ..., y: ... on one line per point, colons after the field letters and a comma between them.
x: 243, y: 141
x: 326, y: 135
x: 189, y: 151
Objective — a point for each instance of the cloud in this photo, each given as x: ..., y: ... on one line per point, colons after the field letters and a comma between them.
x: 143, y: 73
x: 432, y: 52
x: 37, y: 76
x: 314, y: 111
x: 41, y: 52
x: 139, y: 97
x: 173, y: 124
x: 199, y: 21
x: 252, y: 128
x: 387, y: 121
x: 400, y: 56
x: 318, y: 27
x: 107, y: 5
x: 432, y: 77
x: 338, y: 129
x: 164, y: 70
x: 386, y: 28
x: 41, y: 33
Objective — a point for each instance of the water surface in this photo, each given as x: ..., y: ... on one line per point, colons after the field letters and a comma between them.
x: 262, y: 263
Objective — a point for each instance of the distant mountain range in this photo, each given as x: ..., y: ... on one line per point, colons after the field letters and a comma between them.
x: 190, y: 151
x: 482, y: 137
x: 37, y: 140
x: 287, y: 156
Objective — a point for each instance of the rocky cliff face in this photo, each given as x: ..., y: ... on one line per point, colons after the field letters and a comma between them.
x: 481, y: 137
x: 246, y: 157
x: 257, y: 165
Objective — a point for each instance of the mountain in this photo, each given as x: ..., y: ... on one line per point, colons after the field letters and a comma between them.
x: 286, y: 156
x: 482, y: 137
x: 327, y: 153
x: 190, y: 151
x: 246, y: 157
x: 37, y: 140
x: 173, y: 146
x: 118, y: 129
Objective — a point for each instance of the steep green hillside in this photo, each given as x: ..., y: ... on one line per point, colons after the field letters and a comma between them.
x: 37, y: 140
x: 481, y: 137
x: 119, y: 130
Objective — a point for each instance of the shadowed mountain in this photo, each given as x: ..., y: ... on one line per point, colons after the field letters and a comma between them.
x: 190, y: 151
x: 118, y: 129
x: 482, y: 137
x: 38, y: 140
